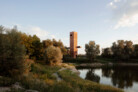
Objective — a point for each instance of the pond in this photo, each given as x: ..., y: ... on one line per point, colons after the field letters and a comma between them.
x: 125, y: 78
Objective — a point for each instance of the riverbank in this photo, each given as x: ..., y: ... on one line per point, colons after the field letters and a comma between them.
x: 61, y: 78
x: 124, y: 77
x: 94, y: 65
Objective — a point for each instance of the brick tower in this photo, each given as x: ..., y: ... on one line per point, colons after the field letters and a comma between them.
x: 73, y: 44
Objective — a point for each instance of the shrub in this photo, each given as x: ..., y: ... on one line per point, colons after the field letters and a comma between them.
x: 53, y: 55
x: 12, y: 53
x: 55, y: 43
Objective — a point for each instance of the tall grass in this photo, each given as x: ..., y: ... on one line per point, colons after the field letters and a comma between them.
x: 85, y: 85
x: 41, y: 79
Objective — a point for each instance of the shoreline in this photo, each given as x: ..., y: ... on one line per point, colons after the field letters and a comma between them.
x: 96, y: 65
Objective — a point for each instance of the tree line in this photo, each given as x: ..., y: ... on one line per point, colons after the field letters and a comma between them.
x: 121, y: 50
x: 17, y: 49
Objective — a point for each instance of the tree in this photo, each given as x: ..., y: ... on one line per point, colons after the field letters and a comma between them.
x: 55, y: 43
x: 12, y: 53
x: 129, y: 49
x: 47, y: 43
x: 27, y: 42
x: 122, y: 50
x: 60, y: 45
x: 107, y: 52
x: 53, y: 55
x: 92, y: 50
x: 33, y: 45
x: 37, y: 48
x: 135, y: 54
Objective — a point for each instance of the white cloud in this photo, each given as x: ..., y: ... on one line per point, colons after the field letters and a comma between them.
x: 127, y: 21
x: 125, y: 12
x: 39, y: 32
x: 53, y: 36
x: 34, y: 30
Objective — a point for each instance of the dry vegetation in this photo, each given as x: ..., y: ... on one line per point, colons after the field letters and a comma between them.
x: 41, y: 78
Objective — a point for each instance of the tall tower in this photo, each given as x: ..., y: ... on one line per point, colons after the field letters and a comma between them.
x: 73, y: 44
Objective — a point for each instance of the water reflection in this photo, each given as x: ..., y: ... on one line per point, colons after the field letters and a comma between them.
x: 92, y: 76
x: 121, y: 77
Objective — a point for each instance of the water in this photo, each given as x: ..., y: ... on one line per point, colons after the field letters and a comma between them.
x: 125, y: 78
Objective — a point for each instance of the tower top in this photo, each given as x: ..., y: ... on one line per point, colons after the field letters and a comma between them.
x: 73, y: 32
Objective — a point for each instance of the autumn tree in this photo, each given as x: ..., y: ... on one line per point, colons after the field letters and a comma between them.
x: 53, y: 55
x: 37, y: 48
x: 27, y: 42
x: 47, y: 43
x: 33, y: 45
x: 92, y: 50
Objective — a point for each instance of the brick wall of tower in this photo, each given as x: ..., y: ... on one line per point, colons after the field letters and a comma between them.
x: 73, y: 44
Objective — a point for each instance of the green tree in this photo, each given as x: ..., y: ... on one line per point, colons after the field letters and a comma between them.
x: 135, y: 54
x: 129, y: 49
x: 53, y: 55
x: 92, y: 50
x: 122, y: 50
x: 107, y: 52
x: 12, y: 53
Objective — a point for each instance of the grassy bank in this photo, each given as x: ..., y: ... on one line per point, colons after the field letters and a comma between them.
x: 80, y: 84
x: 112, y: 60
x: 105, y: 60
x: 41, y: 79
x: 98, y: 59
x: 83, y: 60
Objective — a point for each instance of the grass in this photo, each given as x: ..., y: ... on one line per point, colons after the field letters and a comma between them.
x: 78, y: 83
x: 84, y: 59
x: 105, y: 60
x: 77, y: 60
x: 112, y: 60
x: 99, y: 59
x: 40, y: 78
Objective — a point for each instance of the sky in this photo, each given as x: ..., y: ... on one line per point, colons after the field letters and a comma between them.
x: 102, y: 21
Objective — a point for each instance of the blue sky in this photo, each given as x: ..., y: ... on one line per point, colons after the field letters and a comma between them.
x: 102, y: 21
